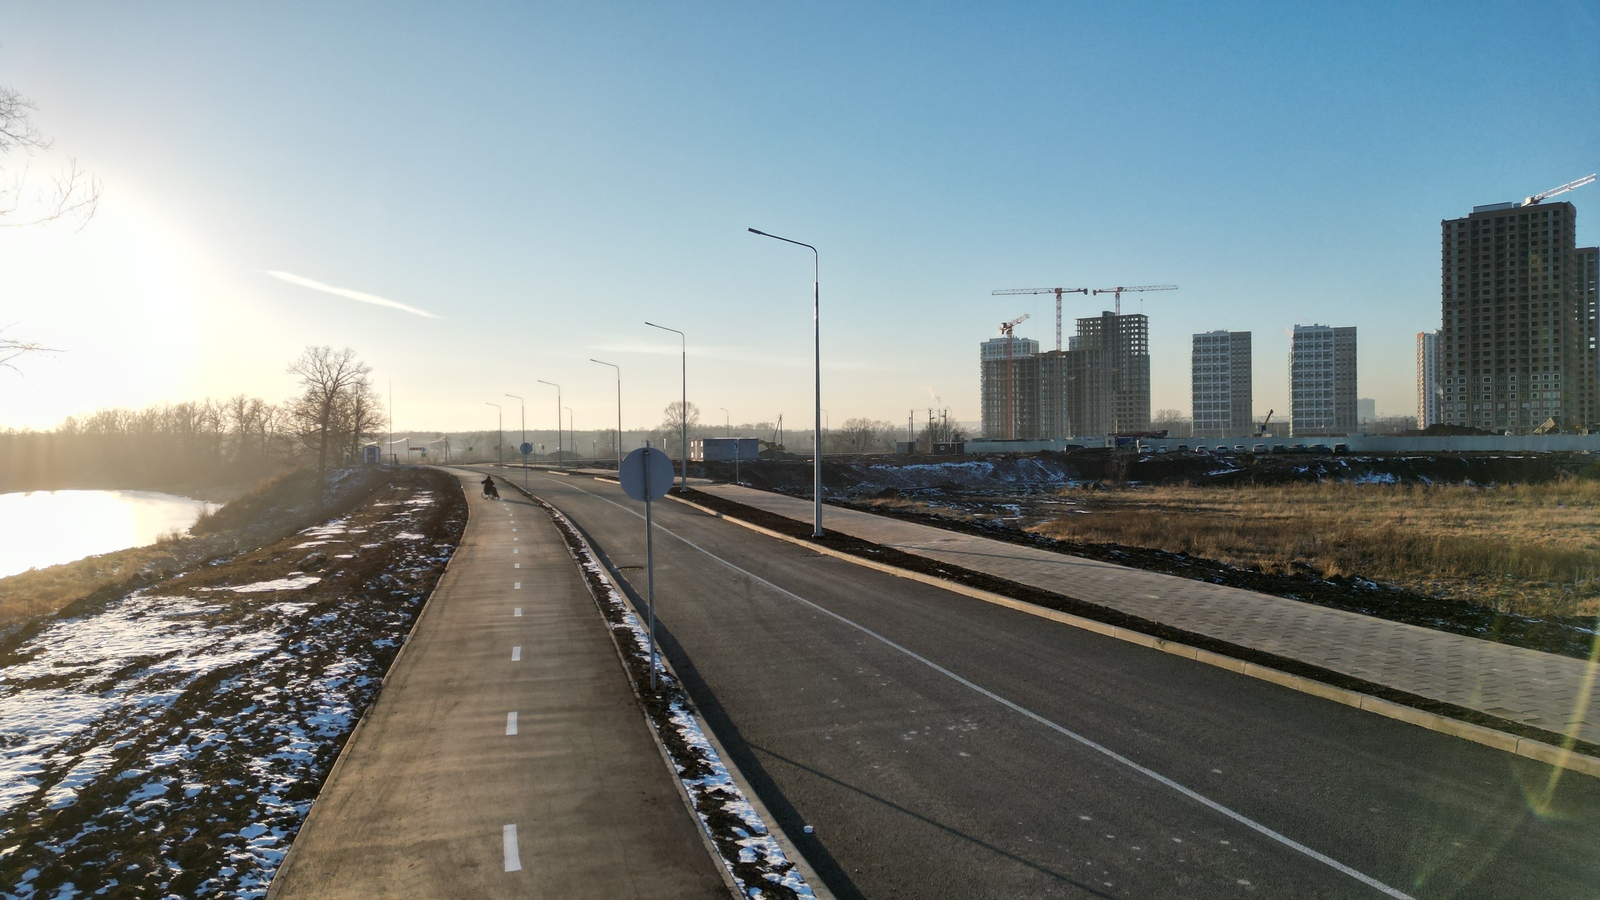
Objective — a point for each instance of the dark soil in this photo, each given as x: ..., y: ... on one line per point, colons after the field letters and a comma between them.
x: 1095, y: 612
x: 865, y: 476
x: 212, y: 767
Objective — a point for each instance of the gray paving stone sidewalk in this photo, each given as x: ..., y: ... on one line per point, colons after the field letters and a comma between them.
x: 1539, y: 689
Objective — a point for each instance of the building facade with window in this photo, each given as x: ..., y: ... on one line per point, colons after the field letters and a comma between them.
x: 1428, y: 387
x: 1322, y: 380
x: 1518, y: 338
x: 1220, y: 385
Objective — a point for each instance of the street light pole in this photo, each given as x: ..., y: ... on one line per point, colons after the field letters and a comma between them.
x: 560, y: 465
x: 727, y: 422
x: 523, y: 435
x: 569, y: 431
x: 619, y: 409
x: 500, y: 433
x: 683, y: 412
x: 816, y: 329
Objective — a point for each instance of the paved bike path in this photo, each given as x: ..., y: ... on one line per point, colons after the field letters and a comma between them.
x: 506, y: 755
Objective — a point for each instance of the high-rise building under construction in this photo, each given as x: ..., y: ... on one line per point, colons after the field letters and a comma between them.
x: 1518, y: 343
x: 1100, y: 384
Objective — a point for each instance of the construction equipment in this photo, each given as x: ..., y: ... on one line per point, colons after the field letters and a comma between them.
x: 1262, y: 431
x: 1057, y: 291
x: 1138, y: 288
x: 1536, y: 198
x: 1008, y: 330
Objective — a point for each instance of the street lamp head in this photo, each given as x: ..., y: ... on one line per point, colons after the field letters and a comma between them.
x: 754, y: 231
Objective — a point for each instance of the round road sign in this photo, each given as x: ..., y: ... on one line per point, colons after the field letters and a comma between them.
x: 644, y: 467
x: 526, y: 448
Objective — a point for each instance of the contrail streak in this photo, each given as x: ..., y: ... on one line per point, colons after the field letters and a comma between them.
x: 349, y: 294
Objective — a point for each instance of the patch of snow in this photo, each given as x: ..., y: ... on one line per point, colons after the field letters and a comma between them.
x: 295, y: 583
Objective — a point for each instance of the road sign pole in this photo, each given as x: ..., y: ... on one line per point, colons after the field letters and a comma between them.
x: 640, y: 483
x: 650, y: 569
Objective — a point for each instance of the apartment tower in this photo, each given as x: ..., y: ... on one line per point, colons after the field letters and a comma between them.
x: 1518, y: 342
x: 1428, y: 387
x: 1322, y: 380
x: 1220, y: 384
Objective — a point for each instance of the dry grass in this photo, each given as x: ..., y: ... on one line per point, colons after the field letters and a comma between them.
x: 1521, y: 548
x: 40, y: 591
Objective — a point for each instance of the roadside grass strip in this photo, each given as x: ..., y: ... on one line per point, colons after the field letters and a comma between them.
x: 747, y: 847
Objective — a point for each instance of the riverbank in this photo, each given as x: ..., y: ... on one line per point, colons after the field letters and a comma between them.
x: 254, y: 515
x: 168, y: 739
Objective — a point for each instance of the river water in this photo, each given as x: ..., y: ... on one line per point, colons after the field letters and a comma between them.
x: 46, y: 528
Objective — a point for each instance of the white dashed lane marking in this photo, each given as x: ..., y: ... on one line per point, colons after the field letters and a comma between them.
x: 516, y: 654
x: 511, y: 723
x: 508, y: 837
x: 517, y: 611
x: 516, y: 585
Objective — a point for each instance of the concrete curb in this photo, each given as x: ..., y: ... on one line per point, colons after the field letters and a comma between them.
x: 818, y: 888
x: 1479, y: 734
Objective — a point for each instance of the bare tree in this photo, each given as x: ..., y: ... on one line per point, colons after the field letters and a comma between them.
x: 361, y: 416
x: 12, y: 349
x: 72, y: 195
x: 1172, y: 421
x: 668, y: 432
x: 326, y: 379
x: 858, y: 435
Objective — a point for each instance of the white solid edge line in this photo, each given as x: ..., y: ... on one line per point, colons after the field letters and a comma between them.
x: 511, y: 723
x: 508, y: 838
x: 1060, y: 729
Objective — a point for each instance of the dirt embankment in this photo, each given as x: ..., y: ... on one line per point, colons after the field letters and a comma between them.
x: 168, y: 739
x: 864, y: 476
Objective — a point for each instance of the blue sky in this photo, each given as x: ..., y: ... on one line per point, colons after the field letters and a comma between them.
x: 544, y: 178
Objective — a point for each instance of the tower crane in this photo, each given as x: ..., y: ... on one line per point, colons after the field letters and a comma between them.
x: 1536, y: 198
x: 1143, y: 287
x: 1008, y: 330
x: 1057, y: 291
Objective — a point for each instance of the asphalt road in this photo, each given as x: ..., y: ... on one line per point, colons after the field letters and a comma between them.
x: 944, y: 747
